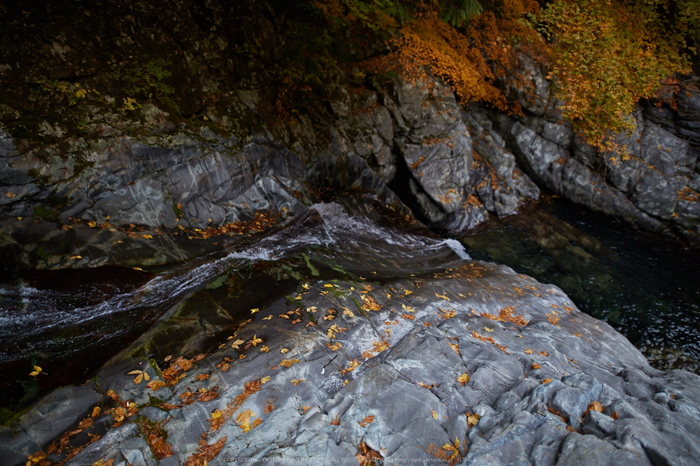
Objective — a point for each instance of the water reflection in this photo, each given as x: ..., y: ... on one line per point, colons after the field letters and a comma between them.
x: 645, y: 286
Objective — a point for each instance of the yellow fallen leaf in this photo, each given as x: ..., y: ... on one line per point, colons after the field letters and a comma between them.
x: 408, y: 308
x: 75, y: 258
x: 305, y: 286
x: 463, y: 379
x: 92, y: 224
x: 284, y: 350
x: 216, y: 414
x: 328, y: 285
x: 488, y: 329
x: 253, y: 311
x: 255, y: 340
x: 95, y: 412
x: 264, y: 349
x: 536, y: 366
x: 265, y: 379
x: 305, y: 409
x: 334, y: 347
x: 236, y: 343
x: 455, y: 347
x: 268, y: 317
x: 547, y: 380
x: 348, y: 312
x: 435, y: 415
x: 36, y: 371
x: 244, y: 417
x: 288, y: 362
x: 528, y: 351
x: 472, y: 419
x: 297, y: 381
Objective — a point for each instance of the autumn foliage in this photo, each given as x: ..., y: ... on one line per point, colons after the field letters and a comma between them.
x: 608, y: 56
x: 603, y: 56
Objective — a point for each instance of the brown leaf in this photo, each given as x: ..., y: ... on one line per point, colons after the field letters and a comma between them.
x: 366, y: 421
x: 536, y: 366
x: 156, y: 384
x: 206, y: 453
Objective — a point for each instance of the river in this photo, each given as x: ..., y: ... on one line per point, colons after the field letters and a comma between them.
x: 71, y: 322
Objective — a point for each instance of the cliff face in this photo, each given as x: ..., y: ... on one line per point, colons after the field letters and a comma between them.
x: 128, y: 128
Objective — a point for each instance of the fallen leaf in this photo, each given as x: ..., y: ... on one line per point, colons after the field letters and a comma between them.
x: 334, y: 347
x: 304, y: 409
x: 244, y: 417
x: 95, y: 412
x: 488, y: 329
x: 118, y: 414
x: 463, y: 379
x: 547, y: 380
x: 253, y: 311
x: 528, y: 351
x: 265, y: 379
x: 216, y: 414
x: 297, y: 381
x: 36, y: 371
x: 455, y: 347
x: 255, y: 340
x: 536, y: 366
x: 156, y: 384
x: 268, y: 317
x: 366, y: 421
x: 284, y: 350
x: 206, y: 453
x: 543, y: 353
x: 407, y: 308
x: 237, y: 343
x: 288, y: 362
x: 435, y: 415
x: 472, y: 419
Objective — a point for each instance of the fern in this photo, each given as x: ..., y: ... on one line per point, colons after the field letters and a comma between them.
x: 458, y: 12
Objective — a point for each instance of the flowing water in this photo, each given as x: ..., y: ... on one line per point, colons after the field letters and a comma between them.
x: 71, y: 322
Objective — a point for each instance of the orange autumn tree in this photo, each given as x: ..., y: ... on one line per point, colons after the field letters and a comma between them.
x: 472, y: 57
x: 603, y: 55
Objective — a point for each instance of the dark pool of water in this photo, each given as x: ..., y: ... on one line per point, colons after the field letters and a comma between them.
x: 644, y: 285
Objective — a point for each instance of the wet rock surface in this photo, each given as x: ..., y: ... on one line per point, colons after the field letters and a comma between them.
x: 471, y: 363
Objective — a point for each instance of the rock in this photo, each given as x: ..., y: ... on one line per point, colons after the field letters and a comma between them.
x: 383, y: 374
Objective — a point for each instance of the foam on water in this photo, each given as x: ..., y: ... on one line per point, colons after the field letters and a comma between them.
x: 358, y: 239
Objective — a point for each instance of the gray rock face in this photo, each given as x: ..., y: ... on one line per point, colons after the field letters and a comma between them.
x: 473, y: 363
x: 650, y: 185
x: 419, y: 140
